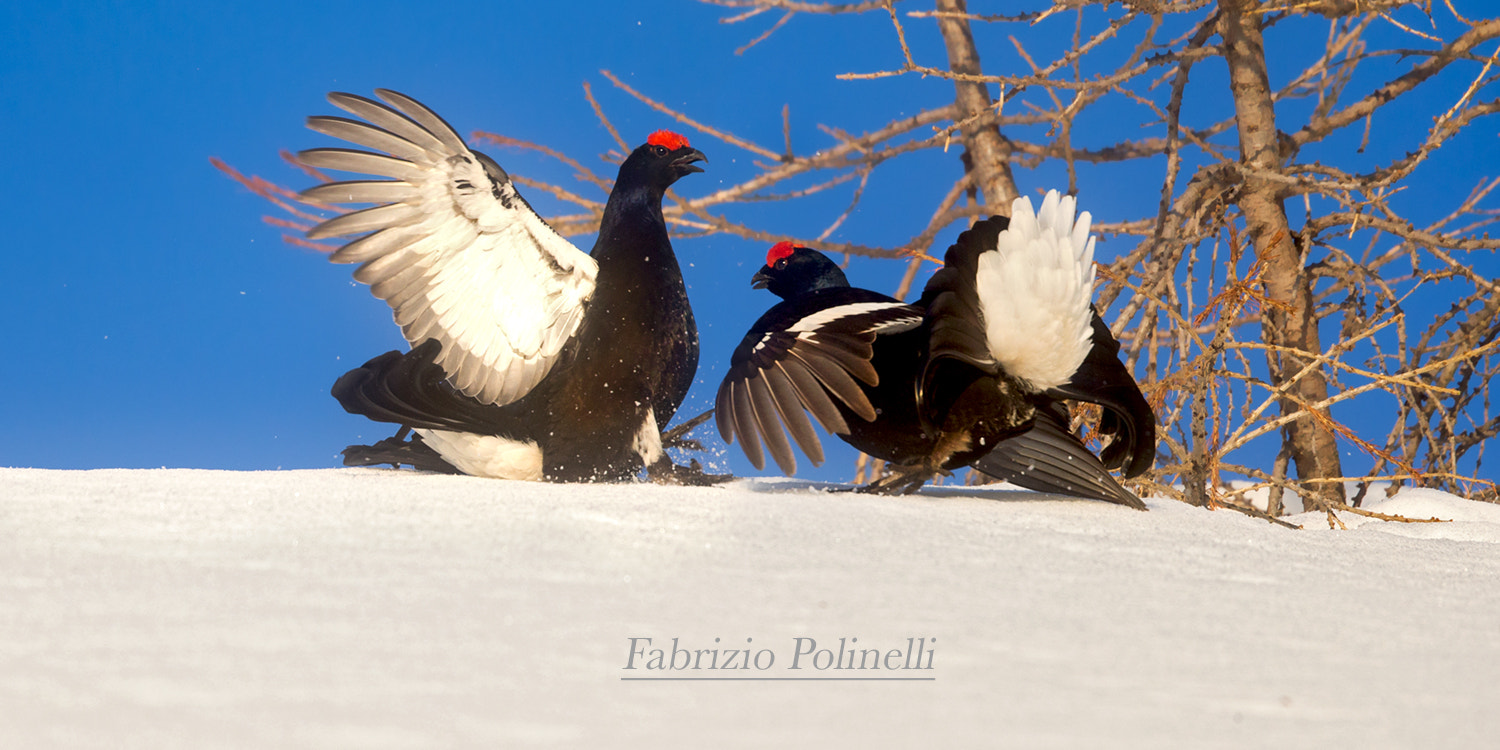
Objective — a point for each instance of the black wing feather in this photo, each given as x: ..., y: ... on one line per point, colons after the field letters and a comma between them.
x: 744, y: 422
x: 814, y: 397
x: 789, y: 406
x: 799, y: 359
x: 767, y: 416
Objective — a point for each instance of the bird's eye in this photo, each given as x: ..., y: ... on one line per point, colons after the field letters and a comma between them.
x: 659, y: 150
x: 781, y: 264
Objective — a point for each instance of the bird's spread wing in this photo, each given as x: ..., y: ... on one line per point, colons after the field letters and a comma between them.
x: 452, y: 247
x: 806, y: 356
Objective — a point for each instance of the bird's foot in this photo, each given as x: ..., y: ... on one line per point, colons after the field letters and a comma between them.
x: 901, y: 481
x: 397, y: 451
x: 665, y: 471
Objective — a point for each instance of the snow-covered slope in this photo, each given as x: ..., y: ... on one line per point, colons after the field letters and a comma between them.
x: 375, y: 609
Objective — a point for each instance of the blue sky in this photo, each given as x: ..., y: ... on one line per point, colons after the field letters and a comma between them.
x: 155, y: 320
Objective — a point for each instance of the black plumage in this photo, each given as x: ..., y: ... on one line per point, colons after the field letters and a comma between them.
x: 530, y: 359
x: 930, y: 396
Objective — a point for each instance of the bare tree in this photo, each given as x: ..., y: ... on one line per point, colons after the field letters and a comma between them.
x: 1268, y: 287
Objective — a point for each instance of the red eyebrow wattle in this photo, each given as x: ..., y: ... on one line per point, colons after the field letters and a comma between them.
x: 778, y: 251
x: 667, y: 139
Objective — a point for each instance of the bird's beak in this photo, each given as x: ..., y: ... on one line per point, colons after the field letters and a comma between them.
x: 760, y: 279
x: 684, y: 163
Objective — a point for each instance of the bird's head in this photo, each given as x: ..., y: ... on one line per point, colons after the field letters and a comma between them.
x: 662, y: 160
x: 792, y: 271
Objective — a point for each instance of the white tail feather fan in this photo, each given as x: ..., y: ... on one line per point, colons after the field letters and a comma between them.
x: 1035, y: 289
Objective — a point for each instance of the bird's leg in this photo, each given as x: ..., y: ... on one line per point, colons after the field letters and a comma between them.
x: 664, y: 471
x: 901, y: 481
x: 908, y: 479
x: 895, y: 484
x: 397, y: 450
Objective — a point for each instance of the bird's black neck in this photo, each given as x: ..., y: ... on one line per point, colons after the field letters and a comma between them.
x: 633, y: 230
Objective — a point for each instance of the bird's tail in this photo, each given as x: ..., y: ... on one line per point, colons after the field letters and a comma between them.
x: 1048, y: 458
x: 409, y: 388
x: 1014, y: 295
x: 1035, y: 289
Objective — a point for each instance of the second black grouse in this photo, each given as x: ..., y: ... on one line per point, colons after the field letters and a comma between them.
x: 974, y: 373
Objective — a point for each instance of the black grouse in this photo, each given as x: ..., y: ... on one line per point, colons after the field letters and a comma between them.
x: 974, y: 373
x: 530, y: 359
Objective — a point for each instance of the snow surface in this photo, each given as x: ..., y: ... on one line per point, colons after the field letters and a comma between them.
x: 377, y: 609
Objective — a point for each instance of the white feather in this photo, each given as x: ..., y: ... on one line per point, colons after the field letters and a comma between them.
x: 647, y: 442
x: 826, y: 316
x: 809, y: 325
x: 486, y: 455
x: 462, y: 259
x: 1034, y: 292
